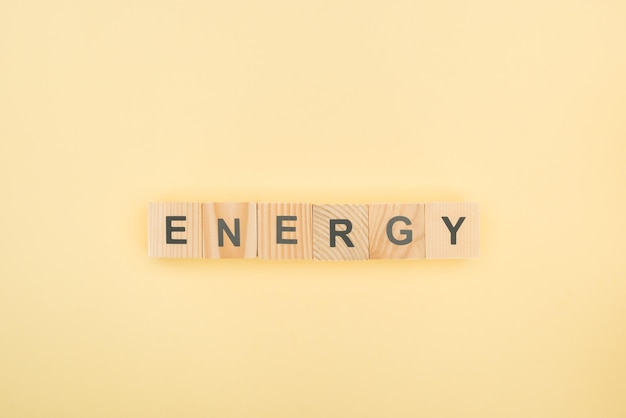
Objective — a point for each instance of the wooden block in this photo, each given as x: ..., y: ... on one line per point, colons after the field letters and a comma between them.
x: 229, y: 230
x: 396, y: 231
x: 175, y: 230
x: 285, y: 231
x: 340, y: 232
x: 452, y: 230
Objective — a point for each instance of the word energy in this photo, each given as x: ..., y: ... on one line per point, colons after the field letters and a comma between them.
x: 319, y: 232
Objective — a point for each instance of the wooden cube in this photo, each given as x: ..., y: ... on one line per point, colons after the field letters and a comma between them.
x: 396, y: 231
x: 230, y: 230
x: 340, y: 232
x: 175, y: 230
x: 285, y: 231
x: 452, y: 230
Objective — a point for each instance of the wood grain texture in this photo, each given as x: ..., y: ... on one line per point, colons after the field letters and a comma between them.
x: 439, y: 237
x: 269, y: 248
x: 410, y: 243
x: 157, y: 243
x: 357, y: 215
x: 229, y: 213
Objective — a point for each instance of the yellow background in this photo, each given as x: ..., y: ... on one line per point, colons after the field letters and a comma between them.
x: 108, y: 105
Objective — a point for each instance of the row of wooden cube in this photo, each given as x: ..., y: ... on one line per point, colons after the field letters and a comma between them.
x: 308, y: 231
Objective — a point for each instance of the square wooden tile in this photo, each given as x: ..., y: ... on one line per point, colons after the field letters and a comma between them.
x: 396, y: 231
x: 340, y: 232
x: 285, y: 231
x: 452, y: 230
x: 175, y: 230
x: 229, y: 230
